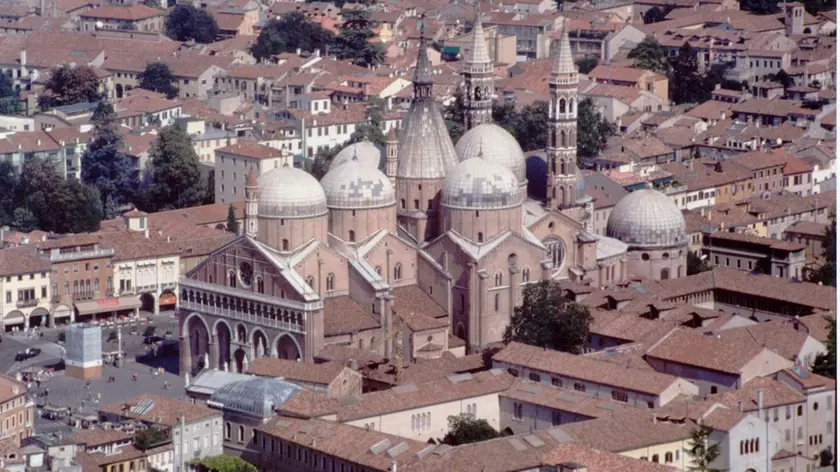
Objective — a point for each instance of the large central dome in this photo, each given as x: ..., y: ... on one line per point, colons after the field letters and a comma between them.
x: 481, y: 185
x: 493, y: 143
x: 287, y: 192
x: 357, y: 186
x: 647, y: 219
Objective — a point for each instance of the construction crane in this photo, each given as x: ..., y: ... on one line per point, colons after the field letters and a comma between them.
x: 392, y: 335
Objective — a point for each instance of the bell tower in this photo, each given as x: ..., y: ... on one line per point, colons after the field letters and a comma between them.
x: 478, y: 80
x: 561, y: 151
x: 251, y: 204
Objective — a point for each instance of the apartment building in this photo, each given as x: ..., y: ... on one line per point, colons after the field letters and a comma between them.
x: 706, y: 183
x: 25, y: 288
x: 134, y: 17
x: 63, y: 146
x: 767, y: 168
x: 17, y: 412
x: 777, y: 211
x: 201, y: 434
x: 532, y: 31
x: 809, y: 234
x: 818, y: 410
x: 234, y: 163
x: 751, y: 253
x: 592, y: 377
x: 139, y: 108
x: 641, y: 79
x: 712, y: 364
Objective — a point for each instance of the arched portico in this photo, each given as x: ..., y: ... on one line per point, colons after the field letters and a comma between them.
x: 287, y: 347
x: 194, y: 343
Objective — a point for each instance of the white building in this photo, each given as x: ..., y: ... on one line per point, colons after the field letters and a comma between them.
x: 234, y: 163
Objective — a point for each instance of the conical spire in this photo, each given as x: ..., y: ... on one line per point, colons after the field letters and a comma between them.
x: 423, y: 78
x: 564, y: 63
x: 478, y: 54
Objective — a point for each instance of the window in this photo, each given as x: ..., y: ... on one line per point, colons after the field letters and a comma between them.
x: 669, y: 457
x: 787, y: 412
x: 241, y: 435
x: 351, y: 236
x: 816, y: 406
x: 655, y: 458
x: 787, y: 435
x: 227, y: 430
x: 799, y: 410
x: 517, y: 411
x: 828, y: 402
x: 496, y: 301
x: 556, y: 382
x: 330, y: 282
x: 619, y: 396
x: 526, y: 274
x: 480, y: 237
x: 8, y: 296
x: 534, y: 377
x: 498, y: 279
x: 714, y: 389
x: 580, y: 387
x: 398, y: 271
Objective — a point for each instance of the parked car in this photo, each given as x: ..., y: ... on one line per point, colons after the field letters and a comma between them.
x: 34, y: 352
x: 21, y: 356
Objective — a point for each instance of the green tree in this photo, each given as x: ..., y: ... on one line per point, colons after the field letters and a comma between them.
x: 761, y: 7
x: 684, y: 83
x: 586, y: 64
x: 232, y: 225
x: 354, y: 40
x: 592, y: 129
x: 547, y: 319
x: 650, y: 55
x: 69, y: 85
x: 530, y: 126
x: 827, y: 273
x: 825, y: 363
x: 7, y: 87
x: 8, y: 180
x: 223, y: 463
x: 696, y: 265
x: 105, y: 165
x: 58, y: 205
x: 322, y: 160
x: 655, y: 15
x: 210, y: 188
x: 702, y: 453
x: 23, y: 220
x: 371, y: 129
x: 173, y: 171
x: 158, y: 78
x: 288, y: 33
x: 453, y: 113
x: 464, y: 429
x: 826, y: 458
x: 82, y: 208
x: 9, y: 102
x: 188, y: 23
x: 10, y: 106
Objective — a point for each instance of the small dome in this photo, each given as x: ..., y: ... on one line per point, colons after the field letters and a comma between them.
x: 287, y: 192
x: 256, y: 397
x: 366, y: 152
x: 647, y: 218
x: 479, y: 184
x: 356, y: 185
x: 493, y: 143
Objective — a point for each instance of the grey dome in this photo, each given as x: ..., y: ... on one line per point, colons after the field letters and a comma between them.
x: 647, y: 219
x: 366, y: 152
x: 287, y: 192
x: 425, y: 150
x: 479, y: 184
x: 257, y: 397
x: 493, y: 143
x: 356, y: 185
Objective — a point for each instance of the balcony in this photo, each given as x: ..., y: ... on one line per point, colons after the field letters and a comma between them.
x: 79, y: 296
x: 56, y: 256
x: 28, y: 303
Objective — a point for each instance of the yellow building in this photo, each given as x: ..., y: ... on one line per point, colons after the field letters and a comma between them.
x: 25, y: 288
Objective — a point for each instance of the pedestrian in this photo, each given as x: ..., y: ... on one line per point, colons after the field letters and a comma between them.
x: 134, y: 377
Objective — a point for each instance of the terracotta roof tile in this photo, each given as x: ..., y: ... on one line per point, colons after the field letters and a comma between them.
x: 164, y: 411
x: 323, y: 374
x: 627, y: 430
x: 22, y: 260
x: 119, y: 12
x: 342, y: 315
x: 708, y: 352
x: 251, y: 150
x: 774, y: 394
x: 584, y: 368
x: 562, y: 399
x: 97, y: 437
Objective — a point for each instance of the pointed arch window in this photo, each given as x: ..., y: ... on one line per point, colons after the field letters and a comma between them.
x: 285, y: 245
x: 232, y: 278
x: 564, y: 141
x: 555, y: 251
x: 526, y: 274
x: 260, y: 285
x: 351, y: 236
x: 398, y: 271
x: 330, y: 282
x: 497, y: 301
x: 480, y: 237
x: 499, y: 279
x: 561, y: 105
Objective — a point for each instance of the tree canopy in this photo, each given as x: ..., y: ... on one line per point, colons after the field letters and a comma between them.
x: 322, y: 160
x: 105, y: 165
x: 354, y: 40
x: 685, y: 84
x: 53, y: 203
x: 188, y: 23
x: 592, y: 129
x: 825, y: 363
x: 547, y: 319
x: 371, y: 129
x: 586, y: 64
x: 288, y: 33
x: 761, y: 7
x: 655, y: 15
x: 69, y: 85
x: 827, y: 273
x: 464, y: 429
x: 701, y: 452
x: 9, y: 103
x: 158, y: 78
x: 650, y: 55
x: 223, y: 463
x: 696, y: 265
x: 174, y: 178
x: 453, y: 113
x: 232, y: 225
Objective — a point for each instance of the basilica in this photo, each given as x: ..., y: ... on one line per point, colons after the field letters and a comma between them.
x: 423, y: 246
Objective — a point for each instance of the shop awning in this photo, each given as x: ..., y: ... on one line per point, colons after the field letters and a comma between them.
x: 108, y: 305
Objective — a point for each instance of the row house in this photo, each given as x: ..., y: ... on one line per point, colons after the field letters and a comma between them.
x: 254, y: 83
x: 17, y: 413
x: 751, y: 253
x: 639, y: 388
x: 767, y: 168
x: 641, y: 79
x: 194, y: 73
x: 139, y: 108
x: 600, y: 38
x: 532, y: 31
x: 773, y: 112
x: 135, y: 17
x: 25, y: 287
x: 779, y: 210
x: 614, y: 101
x: 705, y: 183
x: 764, y: 54
x: 63, y: 146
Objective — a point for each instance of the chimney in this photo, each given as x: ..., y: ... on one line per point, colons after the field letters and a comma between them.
x: 760, y: 403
